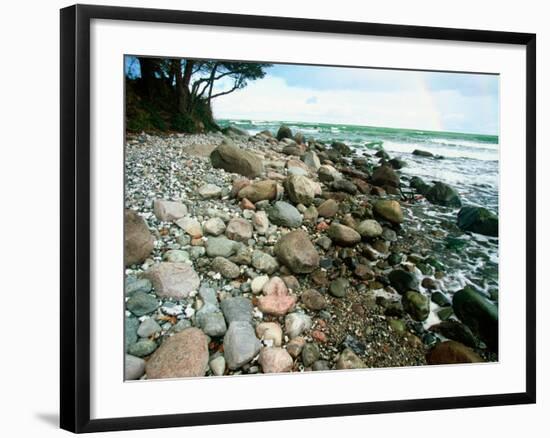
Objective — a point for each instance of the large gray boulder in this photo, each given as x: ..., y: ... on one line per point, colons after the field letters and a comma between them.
x: 229, y: 157
x: 240, y: 344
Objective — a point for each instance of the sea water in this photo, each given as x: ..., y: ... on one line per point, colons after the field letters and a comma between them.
x: 470, y: 164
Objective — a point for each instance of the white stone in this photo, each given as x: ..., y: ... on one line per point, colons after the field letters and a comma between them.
x: 258, y: 283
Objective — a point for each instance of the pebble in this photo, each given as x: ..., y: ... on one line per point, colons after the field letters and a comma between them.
x: 270, y: 332
x: 258, y: 283
x: 191, y: 226
x: 403, y: 281
x: 208, y: 294
x: 214, y: 226
x: 176, y: 256
x: 212, y: 324
x: 173, y: 280
x: 131, y: 326
x: 275, y: 360
x: 310, y: 353
x: 134, y: 367
x: 369, y: 228
x: 134, y: 285
x: 181, y: 325
x: 264, y: 262
x: 210, y: 191
x: 328, y: 208
x: 284, y: 214
x: 217, y: 366
x: 324, y: 242
x: 225, y: 267
x: 313, y: 299
x: 239, y: 229
x: 148, y: 328
x: 260, y: 222
x: 339, y: 287
x: 141, y: 304
x: 220, y: 247
x: 143, y: 347
x: 348, y: 360
x: 296, y: 324
x: 291, y: 282
x: 237, y: 309
x: 168, y: 211
x: 295, y: 346
x: 320, y: 365
x: 172, y: 309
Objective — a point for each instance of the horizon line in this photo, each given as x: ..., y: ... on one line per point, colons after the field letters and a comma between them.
x: 360, y: 126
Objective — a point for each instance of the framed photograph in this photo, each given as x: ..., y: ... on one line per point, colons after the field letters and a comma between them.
x: 267, y: 218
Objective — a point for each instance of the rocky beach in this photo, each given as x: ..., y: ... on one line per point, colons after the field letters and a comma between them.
x: 274, y: 252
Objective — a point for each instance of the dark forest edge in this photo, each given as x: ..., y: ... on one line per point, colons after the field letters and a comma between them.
x: 168, y: 94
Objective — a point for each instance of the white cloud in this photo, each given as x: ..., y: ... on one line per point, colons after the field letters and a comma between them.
x: 417, y: 107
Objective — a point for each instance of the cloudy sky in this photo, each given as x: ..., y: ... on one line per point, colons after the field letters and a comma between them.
x: 373, y: 97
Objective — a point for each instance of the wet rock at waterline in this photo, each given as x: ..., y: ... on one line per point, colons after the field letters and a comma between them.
x: 478, y: 313
x: 389, y: 210
x: 416, y: 305
x: 443, y: 194
x: 385, y: 176
x: 403, y: 281
x: 478, y: 220
x: 451, y: 352
x: 284, y: 132
x: 369, y: 228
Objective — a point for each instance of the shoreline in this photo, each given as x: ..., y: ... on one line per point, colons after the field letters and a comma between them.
x: 355, y: 317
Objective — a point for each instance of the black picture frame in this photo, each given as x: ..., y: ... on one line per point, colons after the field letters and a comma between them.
x: 75, y: 217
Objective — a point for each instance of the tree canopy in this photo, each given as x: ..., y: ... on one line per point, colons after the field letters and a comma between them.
x: 176, y: 94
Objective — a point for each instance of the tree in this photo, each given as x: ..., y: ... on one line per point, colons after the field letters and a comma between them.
x: 186, y: 87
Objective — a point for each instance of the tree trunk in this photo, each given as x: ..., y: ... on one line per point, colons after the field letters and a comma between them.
x: 211, y: 86
x: 183, y: 87
x: 147, y: 68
